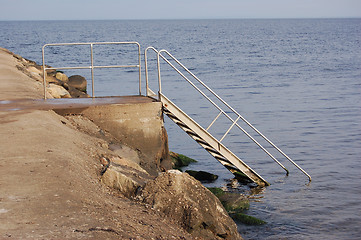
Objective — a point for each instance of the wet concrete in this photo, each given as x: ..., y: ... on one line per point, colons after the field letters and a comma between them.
x: 68, y: 103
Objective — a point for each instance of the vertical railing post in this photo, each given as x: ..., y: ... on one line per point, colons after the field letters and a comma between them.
x: 140, y: 71
x: 44, y: 72
x: 159, y: 78
x: 92, y: 67
x: 146, y: 72
x: 149, y: 91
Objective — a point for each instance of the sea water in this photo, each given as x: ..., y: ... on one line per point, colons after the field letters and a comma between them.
x: 297, y: 80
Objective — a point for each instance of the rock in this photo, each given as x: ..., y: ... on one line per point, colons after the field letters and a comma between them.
x: 180, y: 160
x: 236, y: 204
x: 35, y: 71
x: 190, y: 204
x: 232, y: 202
x: 124, y: 178
x: 61, y: 76
x: 104, y: 161
x: 125, y: 152
x: 58, y: 91
x: 126, y: 162
x: 76, y: 88
x: 75, y: 93
x: 52, y: 79
x: 248, y: 220
x: 78, y: 82
x: 119, y: 180
x: 217, y: 191
x: 202, y: 176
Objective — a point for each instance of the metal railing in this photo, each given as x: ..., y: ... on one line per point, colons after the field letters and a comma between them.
x: 92, y: 66
x: 221, y: 111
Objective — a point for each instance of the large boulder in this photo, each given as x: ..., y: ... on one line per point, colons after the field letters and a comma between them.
x: 78, y: 82
x: 125, y: 176
x: 190, y: 204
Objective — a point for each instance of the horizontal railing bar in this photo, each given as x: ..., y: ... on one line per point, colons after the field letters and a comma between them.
x: 117, y: 66
x: 88, y: 43
x: 63, y: 68
x: 90, y: 67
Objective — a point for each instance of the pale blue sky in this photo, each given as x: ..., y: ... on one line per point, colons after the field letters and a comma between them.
x: 175, y: 9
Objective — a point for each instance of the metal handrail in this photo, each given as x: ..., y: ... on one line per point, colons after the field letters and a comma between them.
x: 91, y: 67
x: 234, y: 122
x: 149, y: 92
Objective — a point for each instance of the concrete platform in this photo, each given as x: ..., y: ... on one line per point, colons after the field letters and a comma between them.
x: 69, y: 103
x: 136, y: 121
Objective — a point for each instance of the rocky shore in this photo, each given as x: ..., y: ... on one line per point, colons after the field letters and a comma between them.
x: 64, y: 177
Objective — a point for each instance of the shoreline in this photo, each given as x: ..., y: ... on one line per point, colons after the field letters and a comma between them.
x: 52, y: 185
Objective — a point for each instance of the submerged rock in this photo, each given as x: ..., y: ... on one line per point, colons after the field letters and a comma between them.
x: 180, y: 160
x: 202, y: 176
x: 236, y: 204
x: 232, y: 202
x: 248, y: 220
x: 190, y: 204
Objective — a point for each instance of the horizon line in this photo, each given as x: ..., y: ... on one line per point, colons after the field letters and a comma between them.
x: 171, y: 19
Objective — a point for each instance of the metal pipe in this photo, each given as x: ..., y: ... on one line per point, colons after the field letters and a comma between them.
x: 88, y: 43
x: 159, y: 77
x: 229, y: 129
x: 214, y: 120
x: 146, y: 72
x: 148, y: 90
x: 140, y: 70
x: 44, y: 71
x: 92, y: 68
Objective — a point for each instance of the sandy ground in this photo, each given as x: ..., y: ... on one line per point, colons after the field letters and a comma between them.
x: 49, y: 176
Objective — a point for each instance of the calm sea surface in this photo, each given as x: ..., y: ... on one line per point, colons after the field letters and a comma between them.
x: 297, y: 81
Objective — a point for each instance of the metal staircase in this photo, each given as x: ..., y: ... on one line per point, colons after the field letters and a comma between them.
x: 209, y: 143
x: 201, y: 135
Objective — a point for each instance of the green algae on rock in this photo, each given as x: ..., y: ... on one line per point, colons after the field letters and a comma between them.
x: 180, y: 160
x: 246, y: 219
x: 236, y: 204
